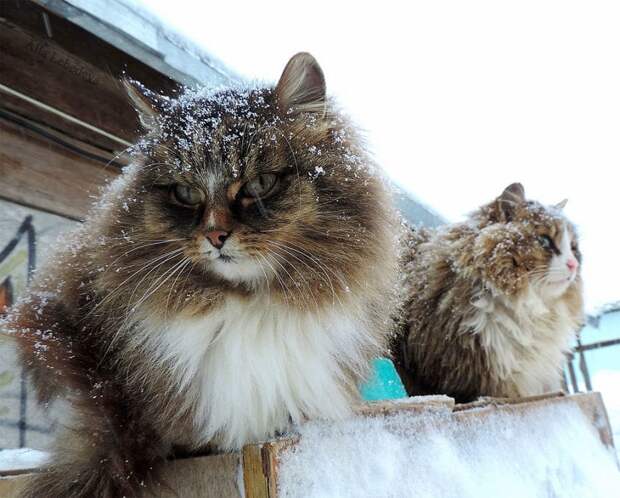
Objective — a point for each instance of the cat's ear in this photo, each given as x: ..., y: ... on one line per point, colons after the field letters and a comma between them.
x: 511, y: 197
x: 561, y: 205
x: 302, y: 86
x: 147, y: 103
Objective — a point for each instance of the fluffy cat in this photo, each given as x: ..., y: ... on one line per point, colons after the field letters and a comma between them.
x: 492, y: 303
x: 234, y: 280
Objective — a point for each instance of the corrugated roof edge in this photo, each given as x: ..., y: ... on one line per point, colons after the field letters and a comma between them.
x: 416, y: 212
x: 141, y: 35
x: 593, y: 319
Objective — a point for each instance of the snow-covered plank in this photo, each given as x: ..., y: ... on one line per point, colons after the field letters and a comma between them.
x: 475, y: 449
x: 400, y: 431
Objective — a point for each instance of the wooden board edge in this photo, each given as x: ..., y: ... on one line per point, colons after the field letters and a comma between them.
x: 10, y: 485
x: 255, y: 481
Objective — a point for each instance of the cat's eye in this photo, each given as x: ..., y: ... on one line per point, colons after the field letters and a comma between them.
x: 546, y: 242
x: 186, y: 195
x: 260, y: 186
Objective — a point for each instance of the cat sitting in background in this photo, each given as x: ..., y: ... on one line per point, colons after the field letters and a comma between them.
x: 236, y: 279
x: 492, y: 303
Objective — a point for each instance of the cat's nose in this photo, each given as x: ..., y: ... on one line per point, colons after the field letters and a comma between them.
x: 217, y: 238
x: 572, y: 264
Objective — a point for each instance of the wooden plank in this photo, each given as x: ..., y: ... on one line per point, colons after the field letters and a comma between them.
x: 203, y: 477
x: 89, y: 150
x: 72, y: 71
x: 10, y: 486
x: 255, y: 482
x: 41, y: 174
x: 415, y: 404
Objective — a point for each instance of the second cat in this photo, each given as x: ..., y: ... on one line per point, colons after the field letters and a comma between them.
x: 492, y: 303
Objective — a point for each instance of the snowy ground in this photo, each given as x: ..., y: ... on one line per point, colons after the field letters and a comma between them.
x: 552, y: 452
x: 21, y: 459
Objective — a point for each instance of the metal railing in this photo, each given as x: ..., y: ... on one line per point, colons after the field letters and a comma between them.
x: 578, y: 353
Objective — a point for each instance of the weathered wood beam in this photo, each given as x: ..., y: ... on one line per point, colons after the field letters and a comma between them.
x: 39, y: 173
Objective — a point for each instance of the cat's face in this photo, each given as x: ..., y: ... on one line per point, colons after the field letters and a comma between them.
x: 259, y: 186
x: 539, y: 242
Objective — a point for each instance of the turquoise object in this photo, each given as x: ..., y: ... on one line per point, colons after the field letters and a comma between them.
x: 384, y: 383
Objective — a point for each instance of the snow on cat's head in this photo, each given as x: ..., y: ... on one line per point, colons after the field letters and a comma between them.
x: 257, y: 187
x: 525, y: 244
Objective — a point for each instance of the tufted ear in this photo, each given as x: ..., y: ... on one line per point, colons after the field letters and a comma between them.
x: 561, y: 205
x: 511, y: 197
x: 147, y: 103
x: 302, y: 86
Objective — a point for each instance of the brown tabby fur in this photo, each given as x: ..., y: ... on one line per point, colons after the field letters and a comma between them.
x: 329, y: 227
x: 493, y: 261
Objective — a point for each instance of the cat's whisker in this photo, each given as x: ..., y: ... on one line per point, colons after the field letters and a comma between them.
x: 339, y: 277
x: 143, y: 246
x: 261, y: 208
x: 155, y: 268
x: 159, y: 281
x: 260, y: 265
x: 307, y: 284
x: 325, y: 279
x: 162, y: 163
x: 172, y: 287
x: 191, y: 269
x: 277, y: 261
x: 308, y: 228
x: 292, y: 151
x: 117, y: 155
x: 275, y: 274
x: 294, y: 247
x: 122, y: 327
x: 120, y: 286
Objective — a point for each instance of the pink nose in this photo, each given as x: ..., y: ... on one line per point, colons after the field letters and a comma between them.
x: 572, y: 264
x: 217, y: 238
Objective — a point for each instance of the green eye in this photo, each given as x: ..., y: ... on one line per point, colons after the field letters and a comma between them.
x: 260, y: 186
x: 546, y: 242
x: 187, y: 196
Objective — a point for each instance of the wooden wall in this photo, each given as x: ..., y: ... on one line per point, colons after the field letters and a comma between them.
x: 64, y: 124
x: 64, y: 117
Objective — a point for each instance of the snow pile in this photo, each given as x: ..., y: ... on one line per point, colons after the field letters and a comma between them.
x: 21, y: 459
x: 552, y: 452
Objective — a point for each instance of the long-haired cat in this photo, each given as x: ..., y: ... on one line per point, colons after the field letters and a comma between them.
x: 492, y: 303
x: 234, y: 280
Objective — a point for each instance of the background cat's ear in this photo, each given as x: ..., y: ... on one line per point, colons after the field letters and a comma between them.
x: 302, y: 86
x: 147, y: 103
x: 561, y: 205
x: 512, y: 196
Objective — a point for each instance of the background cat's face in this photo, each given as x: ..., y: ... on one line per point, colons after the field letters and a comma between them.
x: 538, y: 242
x: 260, y: 186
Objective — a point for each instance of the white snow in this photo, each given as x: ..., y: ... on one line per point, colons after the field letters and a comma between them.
x: 552, y: 452
x: 21, y: 459
x: 608, y: 383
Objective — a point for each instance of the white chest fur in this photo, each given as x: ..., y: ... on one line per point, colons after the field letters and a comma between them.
x: 250, y: 367
x: 525, y: 340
